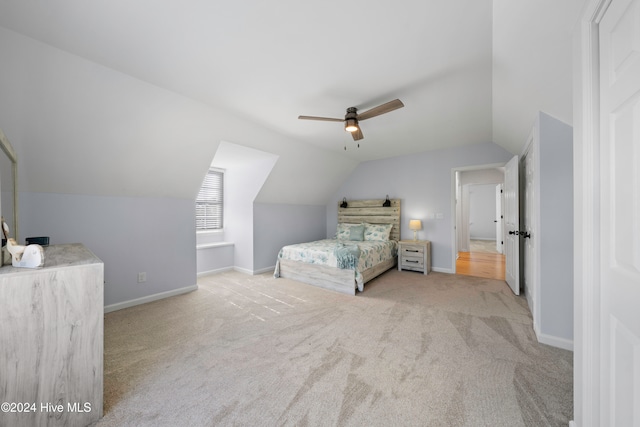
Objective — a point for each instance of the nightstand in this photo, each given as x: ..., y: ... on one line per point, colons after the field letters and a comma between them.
x: 414, y: 255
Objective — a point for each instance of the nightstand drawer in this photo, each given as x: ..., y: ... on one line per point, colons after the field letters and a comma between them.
x: 415, y: 262
x: 415, y: 250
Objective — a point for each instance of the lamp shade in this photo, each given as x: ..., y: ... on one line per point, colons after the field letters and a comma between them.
x: 415, y: 224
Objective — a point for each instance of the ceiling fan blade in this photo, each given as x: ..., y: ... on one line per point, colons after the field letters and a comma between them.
x: 381, y: 109
x: 324, y: 119
x: 357, y: 135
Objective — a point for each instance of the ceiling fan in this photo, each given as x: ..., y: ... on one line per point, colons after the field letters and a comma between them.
x: 353, y: 118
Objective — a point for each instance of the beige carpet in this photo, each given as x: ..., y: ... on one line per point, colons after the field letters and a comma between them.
x: 412, y: 350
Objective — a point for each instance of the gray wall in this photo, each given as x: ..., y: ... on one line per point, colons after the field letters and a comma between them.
x: 129, y: 234
x: 556, y: 227
x: 423, y: 183
x: 482, y: 211
x: 275, y: 226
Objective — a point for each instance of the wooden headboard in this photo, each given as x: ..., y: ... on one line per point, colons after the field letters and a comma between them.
x: 372, y: 212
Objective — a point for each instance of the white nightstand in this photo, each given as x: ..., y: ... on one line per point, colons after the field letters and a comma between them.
x: 414, y: 255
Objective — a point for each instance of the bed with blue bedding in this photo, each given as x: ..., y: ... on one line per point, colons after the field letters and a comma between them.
x: 365, y: 246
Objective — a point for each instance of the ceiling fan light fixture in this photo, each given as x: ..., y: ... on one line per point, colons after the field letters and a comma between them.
x: 351, y: 125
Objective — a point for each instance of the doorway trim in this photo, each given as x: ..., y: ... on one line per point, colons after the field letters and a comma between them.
x: 586, y: 150
x: 454, y: 214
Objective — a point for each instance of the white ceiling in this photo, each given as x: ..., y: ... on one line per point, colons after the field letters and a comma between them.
x: 468, y: 71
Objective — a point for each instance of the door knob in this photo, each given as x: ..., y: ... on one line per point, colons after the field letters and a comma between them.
x: 514, y: 232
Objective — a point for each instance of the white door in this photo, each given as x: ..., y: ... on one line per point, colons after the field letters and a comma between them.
x: 529, y: 211
x: 499, y: 218
x: 620, y: 213
x: 511, y: 225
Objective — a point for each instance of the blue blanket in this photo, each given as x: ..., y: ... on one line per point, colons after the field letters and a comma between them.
x: 347, y: 256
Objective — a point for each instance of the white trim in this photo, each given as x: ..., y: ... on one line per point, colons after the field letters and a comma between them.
x: 264, y: 270
x: 587, y: 300
x: 238, y: 269
x: 216, y: 271
x: 149, y: 298
x: 454, y: 234
x: 443, y: 270
x: 243, y: 270
x: 254, y: 272
x: 214, y: 245
x: 553, y: 341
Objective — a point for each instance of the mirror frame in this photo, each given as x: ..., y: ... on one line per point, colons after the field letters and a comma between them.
x: 7, y: 148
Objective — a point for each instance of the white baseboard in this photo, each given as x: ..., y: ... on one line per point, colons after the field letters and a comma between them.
x: 239, y: 270
x: 254, y: 272
x: 572, y: 424
x: 243, y: 270
x: 553, y: 341
x: 265, y: 270
x: 216, y: 271
x: 149, y: 298
x: 442, y: 270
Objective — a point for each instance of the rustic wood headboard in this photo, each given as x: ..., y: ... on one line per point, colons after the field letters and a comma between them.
x: 372, y: 212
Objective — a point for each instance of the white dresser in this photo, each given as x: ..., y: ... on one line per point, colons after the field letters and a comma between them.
x: 51, y: 340
x: 414, y: 255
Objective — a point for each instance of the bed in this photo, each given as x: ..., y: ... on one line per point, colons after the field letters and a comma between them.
x: 341, y: 264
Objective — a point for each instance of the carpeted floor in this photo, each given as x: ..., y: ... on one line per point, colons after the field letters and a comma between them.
x: 411, y: 350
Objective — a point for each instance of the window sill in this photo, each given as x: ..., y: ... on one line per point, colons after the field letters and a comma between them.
x: 210, y: 231
x: 214, y: 245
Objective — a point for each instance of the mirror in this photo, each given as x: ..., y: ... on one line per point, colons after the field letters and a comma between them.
x: 9, y: 189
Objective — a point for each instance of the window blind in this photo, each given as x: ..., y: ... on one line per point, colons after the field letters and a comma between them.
x: 209, y: 206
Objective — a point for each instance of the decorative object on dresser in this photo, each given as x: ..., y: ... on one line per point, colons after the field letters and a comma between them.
x: 415, y: 225
x: 30, y: 256
x: 414, y: 255
x: 365, y: 245
x: 51, y: 330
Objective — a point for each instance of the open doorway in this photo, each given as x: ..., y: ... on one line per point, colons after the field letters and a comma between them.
x: 479, y: 226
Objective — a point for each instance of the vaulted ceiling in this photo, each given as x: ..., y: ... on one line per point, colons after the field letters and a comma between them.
x: 468, y: 71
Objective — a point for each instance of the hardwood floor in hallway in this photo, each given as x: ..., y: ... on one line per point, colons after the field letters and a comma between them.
x: 481, y: 264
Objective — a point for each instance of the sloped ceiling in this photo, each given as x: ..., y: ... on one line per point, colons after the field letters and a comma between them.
x: 468, y: 71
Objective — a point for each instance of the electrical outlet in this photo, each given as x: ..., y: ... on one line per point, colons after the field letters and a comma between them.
x: 142, y: 277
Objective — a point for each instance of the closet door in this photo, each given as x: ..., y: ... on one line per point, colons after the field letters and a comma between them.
x: 512, y: 224
x: 620, y: 213
x: 530, y: 213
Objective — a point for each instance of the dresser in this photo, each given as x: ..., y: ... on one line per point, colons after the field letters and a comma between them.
x: 414, y: 255
x: 51, y: 335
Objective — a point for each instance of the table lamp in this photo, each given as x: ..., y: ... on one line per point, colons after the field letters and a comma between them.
x: 415, y: 225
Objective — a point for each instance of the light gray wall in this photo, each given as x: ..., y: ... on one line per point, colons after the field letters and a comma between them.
x: 423, y: 183
x: 81, y: 128
x: 480, y: 176
x: 210, y: 260
x: 556, y: 227
x: 246, y: 170
x: 482, y: 211
x: 129, y: 234
x: 275, y: 226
